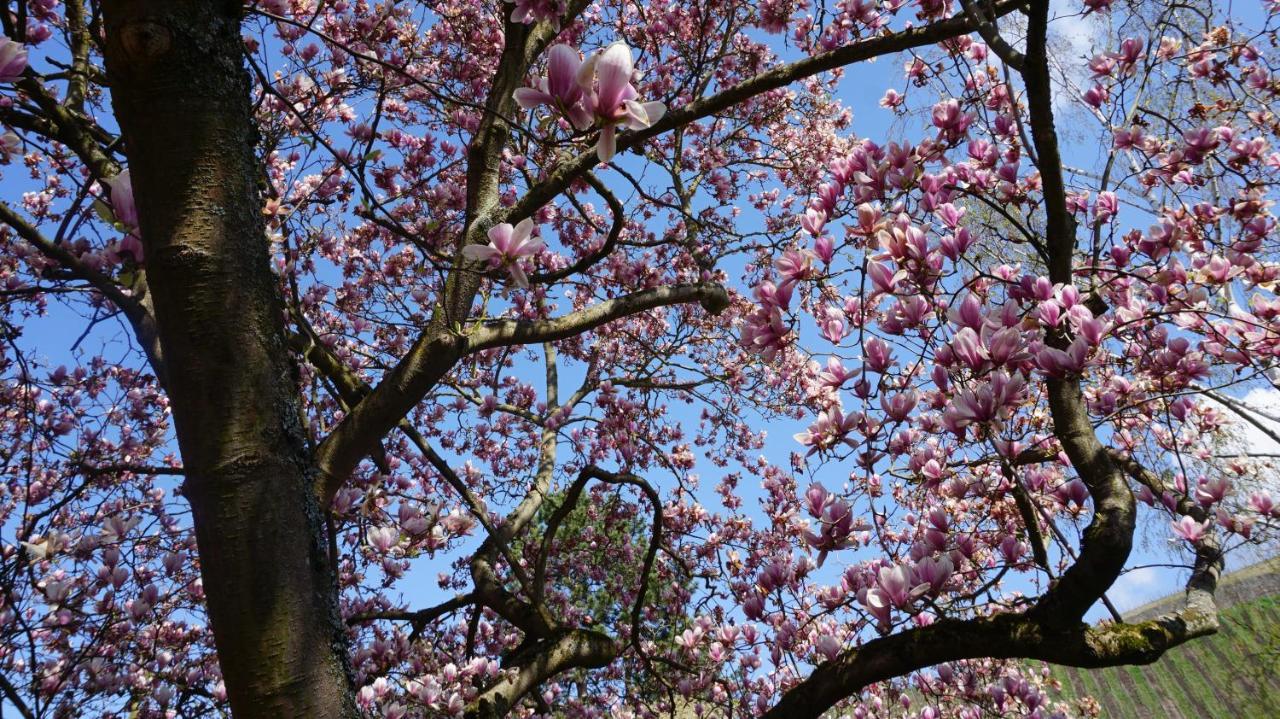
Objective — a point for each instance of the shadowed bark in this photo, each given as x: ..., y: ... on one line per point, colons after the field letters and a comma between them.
x: 181, y: 95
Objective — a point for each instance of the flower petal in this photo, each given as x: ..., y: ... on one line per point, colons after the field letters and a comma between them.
x: 529, y: 98
x: 656, y: 110
x: 479, y: 252
x: 518, y: 277
x: 563, y: 64
x: 522, y: 230
x: 614, y: 74
x: 607, y: 146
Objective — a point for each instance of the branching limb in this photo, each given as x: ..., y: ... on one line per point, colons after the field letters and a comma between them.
x: 1108, y: 539
x: 986, y: 27
x: 14, y: 698
x: 418, y: 619
x: 432, y: 357
x: 605, y: 249
x: 571, y: 498
x: 510, y: 332
x: 568, y: 649
x: 1245, y: 412
x: 142, y: 321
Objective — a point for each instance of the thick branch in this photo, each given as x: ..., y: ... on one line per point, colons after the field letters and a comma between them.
x: 571, y: 649
x: 511, y: 332
x: 1001, y: 637
x: 430, y: 359
x: 1109, y: 537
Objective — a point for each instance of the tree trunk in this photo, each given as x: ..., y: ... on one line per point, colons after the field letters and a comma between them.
x: 181, y: 96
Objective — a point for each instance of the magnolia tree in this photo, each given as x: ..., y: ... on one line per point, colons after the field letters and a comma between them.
x: 416, y: 358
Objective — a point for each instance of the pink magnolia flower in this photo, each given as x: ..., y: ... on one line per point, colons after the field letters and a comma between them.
x: 883, y: 278
x: 1189, y: 529
x: 934, y: 571
x: 831, y: 428
x: 836, y: 524
x: 1262, y: 503
x: 765, y: 332
x: 560, y: 88
x: 876, y: 355
x: 1212, y: 490
x: 813, y: 220
x: 611, y: 98
x: 824, y: 248
x: 1106, y: 207
x: 507, y: 247
x: 13, y: 60
x: 828, y: 646
x: 383, y: 539
x: 794, y: 266
x: 899, y: 586
x: 1058, y: 363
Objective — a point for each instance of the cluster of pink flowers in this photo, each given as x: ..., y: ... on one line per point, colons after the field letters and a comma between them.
x: 598, y: 92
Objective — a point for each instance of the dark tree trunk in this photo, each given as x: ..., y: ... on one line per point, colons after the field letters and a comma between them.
x: 181, y: 96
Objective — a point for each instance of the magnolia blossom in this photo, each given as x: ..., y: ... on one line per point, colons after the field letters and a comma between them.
x: 612, y: 97
x: 895, y: 588
x: 560, y: 88
x: 507, y: 247
x: 1189, y: 529
x: 13, y: 60
x: 830, y: 429
x: 598, y: 91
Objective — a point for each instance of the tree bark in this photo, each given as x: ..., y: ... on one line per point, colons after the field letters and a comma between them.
x: 181, y: 96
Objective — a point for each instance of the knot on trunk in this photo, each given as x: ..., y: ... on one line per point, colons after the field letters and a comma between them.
x: 145, y: 40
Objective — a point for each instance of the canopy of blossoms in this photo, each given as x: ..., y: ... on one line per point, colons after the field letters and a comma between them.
x: 595, y: 359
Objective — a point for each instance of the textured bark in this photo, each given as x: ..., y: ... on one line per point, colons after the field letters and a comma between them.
x: 181, y: 96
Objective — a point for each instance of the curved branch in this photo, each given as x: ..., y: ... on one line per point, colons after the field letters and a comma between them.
x: 433, y: 356
x: 571, y: 497
x: 615, y: 231
x: 417, y: 619
x: 711, y: 296
x: 1108, y: 539
x: 142, y: 321
x: 569, y: 649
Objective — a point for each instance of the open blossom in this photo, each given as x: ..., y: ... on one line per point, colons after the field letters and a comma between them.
x: 1189, y: 529
x: 835, y: 521
x: 895, y: 587
x: 13, y: 60
x: 831, y: 428
x: 507, y: 247
x: 765, y: 332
